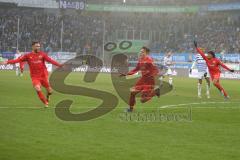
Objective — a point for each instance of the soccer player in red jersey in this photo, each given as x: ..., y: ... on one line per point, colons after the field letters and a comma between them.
x: 38, y: 71
x: 145, y: 85
x: 213, y: 64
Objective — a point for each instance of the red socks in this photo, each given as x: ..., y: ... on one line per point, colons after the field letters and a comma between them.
x: 132, y: 100
x: 220, y: 88
x: 42, y: 97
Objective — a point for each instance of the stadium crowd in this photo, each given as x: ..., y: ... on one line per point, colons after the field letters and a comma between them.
x: 176, y: 32
x: 83, y: 33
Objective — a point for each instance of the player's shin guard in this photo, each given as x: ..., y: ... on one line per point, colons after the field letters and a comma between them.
x: 199, y: 90
x: 42, y: 97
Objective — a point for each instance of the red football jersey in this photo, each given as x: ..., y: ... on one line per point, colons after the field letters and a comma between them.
x: 36, y: 62
x: 213, y: 64
x: 146, y: 66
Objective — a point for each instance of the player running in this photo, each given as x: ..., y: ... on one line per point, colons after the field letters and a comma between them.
x: 145, y: 85
x: 19, y: 66
x: 213, y: 64
x: 168, y: 62
x: 38, y: 71
x: 203, y: 72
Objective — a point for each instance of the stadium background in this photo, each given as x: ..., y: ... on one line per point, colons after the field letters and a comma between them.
x: 70, y: 28
x: 29, y: 131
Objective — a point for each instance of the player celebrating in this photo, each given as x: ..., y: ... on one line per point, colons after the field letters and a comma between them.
x: 168, y: 62
x: 203, y: 72
x: 38, y: 71
x: 213, y: 64
x: 19, y: 66
x: 146, y: 83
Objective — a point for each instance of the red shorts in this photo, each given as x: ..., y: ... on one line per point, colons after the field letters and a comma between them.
x: 41, y: 82
x: 215, y: 76
x: 146, y: 87
x: 144, y: 84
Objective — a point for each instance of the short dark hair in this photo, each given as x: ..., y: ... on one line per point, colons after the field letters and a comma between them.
x: 146, y: 49
x: 35, y: 42
x: 212, y: 53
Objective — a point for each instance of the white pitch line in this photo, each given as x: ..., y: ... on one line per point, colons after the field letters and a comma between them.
x: 201, y: 103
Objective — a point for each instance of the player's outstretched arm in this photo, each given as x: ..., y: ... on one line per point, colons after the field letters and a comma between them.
x: 50, y: 60
x: 135, y: 70
x: 3, y: 63
x: 225, y: 67
x: 18, y: 60
x: 200, y: 51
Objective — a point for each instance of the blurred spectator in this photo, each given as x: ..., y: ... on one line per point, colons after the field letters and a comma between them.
x: 83, y: 32
x: 48, y: 49
x: 46, y: 27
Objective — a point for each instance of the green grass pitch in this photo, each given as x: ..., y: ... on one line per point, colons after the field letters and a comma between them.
x: 30, y: 132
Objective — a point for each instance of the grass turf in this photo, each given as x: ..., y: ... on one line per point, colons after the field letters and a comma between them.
x: 28, y: 131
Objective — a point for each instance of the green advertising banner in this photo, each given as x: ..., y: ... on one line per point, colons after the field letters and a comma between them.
x: 125, y: 46
x: 144, y: 9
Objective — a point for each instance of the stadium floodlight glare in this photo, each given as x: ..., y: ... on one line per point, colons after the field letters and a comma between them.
x: 124, y: 1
